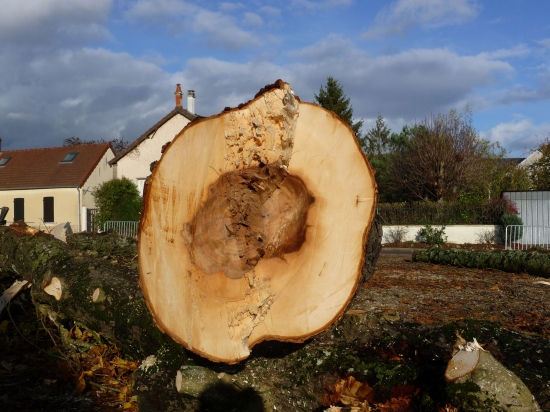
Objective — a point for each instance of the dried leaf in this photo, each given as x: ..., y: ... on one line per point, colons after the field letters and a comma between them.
x: 81, y: 383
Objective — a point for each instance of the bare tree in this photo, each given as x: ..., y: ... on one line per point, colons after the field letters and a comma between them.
x: 117, y: 144
x: 441, y: 158
x: 539, y: 171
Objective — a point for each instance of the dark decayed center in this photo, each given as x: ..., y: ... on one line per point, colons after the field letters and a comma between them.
x: 250, y: 214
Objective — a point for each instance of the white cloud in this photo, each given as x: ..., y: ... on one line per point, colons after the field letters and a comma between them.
x: 157, y: 11
x: 317, y: 4
x: 219, y: 84
x: 404, y: 87
x: 405, y: 14
x: 42, y: 21
x: 410, y: 84
x: 229, y: 6
x: 253, y: 19
x: 331, y: 47
x: 12, y: 115
x: 270, y: 11
x: 89, y: 93
x: 519, y: 135
x: 544, y: 43
x: 520, y: 93
x: 517, y: 51
x: 220, y: 30
x: 71, y: 102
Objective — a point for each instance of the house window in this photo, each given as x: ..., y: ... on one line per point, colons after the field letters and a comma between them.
x: 18, y: 209
x: 4, y: 160
x: 69, y: 158
x: 141, y: 185
x: 48, y: 210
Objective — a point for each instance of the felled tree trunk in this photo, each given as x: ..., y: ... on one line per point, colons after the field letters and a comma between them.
x: 92, y: 280
x: 255, y: 225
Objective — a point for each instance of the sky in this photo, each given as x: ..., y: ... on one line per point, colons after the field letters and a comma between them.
x: 104, y: 69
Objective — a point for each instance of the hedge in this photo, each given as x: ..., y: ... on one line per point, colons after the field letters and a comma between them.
x: 533, y: 263
x: 423, y: 213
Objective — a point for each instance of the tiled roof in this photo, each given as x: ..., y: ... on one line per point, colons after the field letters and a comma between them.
x: 42, y: 168
x: 177, y: 110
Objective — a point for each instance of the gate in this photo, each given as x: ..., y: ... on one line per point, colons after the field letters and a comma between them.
x: 91, y: 220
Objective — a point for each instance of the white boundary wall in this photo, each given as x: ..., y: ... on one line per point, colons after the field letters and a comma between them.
x: 455, y: 233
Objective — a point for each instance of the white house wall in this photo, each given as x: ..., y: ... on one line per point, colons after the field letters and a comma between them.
x: 102, y: 173
x: 136, y: 165
x: 66, y: 207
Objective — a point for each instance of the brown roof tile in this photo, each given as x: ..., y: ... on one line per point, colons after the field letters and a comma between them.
x: 42, y: 168
x: 178, y: 109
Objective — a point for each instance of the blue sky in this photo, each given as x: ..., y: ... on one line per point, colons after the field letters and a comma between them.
x: 108, y: 69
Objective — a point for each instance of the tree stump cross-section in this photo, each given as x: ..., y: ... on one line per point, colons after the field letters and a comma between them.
x: 254, y: 226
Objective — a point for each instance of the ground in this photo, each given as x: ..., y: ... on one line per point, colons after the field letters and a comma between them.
x: 434, y: 294
x: 396, y: 337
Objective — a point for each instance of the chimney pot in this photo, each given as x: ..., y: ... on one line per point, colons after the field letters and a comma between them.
x: 178, y: 94
x: 191, y: 101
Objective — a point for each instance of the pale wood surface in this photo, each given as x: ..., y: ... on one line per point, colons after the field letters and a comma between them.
x: 290, y: 297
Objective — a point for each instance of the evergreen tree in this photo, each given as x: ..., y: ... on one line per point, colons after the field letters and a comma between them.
x: 377, y: 139
x: 332, y: 97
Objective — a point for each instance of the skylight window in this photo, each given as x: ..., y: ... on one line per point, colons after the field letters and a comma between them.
x: 69, y: 158
x: 4, y: 160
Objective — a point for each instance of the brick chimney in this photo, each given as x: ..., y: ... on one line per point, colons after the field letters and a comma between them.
x: 191, y: 101
x: 178, y: 94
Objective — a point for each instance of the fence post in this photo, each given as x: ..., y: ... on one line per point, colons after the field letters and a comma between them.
x: 506, y: 237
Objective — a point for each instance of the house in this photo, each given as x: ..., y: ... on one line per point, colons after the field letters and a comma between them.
x: 134, y: 162
x: 50, y: 186
x: 530, y: 160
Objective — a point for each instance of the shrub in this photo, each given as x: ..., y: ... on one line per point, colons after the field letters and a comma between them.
x: 431, y: 235
x: 396, y: 235
x: 486, y: 237
x: 509, y: 219
x: 117, y: 199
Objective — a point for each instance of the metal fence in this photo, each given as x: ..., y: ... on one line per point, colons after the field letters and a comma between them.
x: 123, y: 228
x: 521, y: 237
x: 424, y: 213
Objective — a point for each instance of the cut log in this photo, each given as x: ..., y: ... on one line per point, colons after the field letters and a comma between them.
x: 493, y: 387
x: 12, y: 291
x: 254, y: 226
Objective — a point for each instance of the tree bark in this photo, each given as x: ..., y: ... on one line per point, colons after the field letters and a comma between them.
x: 118, y: 313
x: 82, y: 266
x: 255, y: 225
x: 374, y: 247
